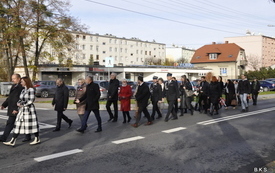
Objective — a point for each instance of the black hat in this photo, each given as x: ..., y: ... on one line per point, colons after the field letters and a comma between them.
x: 155, y: 77
x: 169, y: 74
x: 140, y: 78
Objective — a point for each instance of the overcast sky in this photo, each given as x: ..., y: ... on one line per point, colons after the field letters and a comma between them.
x: 181, y: 22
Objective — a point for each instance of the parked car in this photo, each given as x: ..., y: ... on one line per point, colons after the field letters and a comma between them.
x: 47, y: 88
x: 270, y: 79
x: 267, y: 85
x: 103, y: 87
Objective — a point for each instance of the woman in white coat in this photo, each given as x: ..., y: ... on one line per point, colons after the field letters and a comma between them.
x: 26, y: 120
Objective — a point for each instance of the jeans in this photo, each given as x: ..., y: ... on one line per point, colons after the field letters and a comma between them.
x: 243, y: 98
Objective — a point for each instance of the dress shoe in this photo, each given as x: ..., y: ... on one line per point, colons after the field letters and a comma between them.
x: 134, y: 125
x: 70, y: 123
x: 149, y: 123
x: 174, y: 118
x: 216, y: 113
x: 56, y: 130
x: 243, y: 110
x: 114, y: 120
x: 166, y: 119
x: 98, y: 130
x: 124, y: 122
x: 80, y: 131
x: 192, y: 112
x: 26, y: 139
x: 129, y: 119
x: 36, y: 141
x: 11, y: 142
x: 110, y: 119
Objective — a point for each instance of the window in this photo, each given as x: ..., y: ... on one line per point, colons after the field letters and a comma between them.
x: 121, y: 49
x: 83, y: 47
x: 137, y: 51
x: 77, y: 46
x: 150, y: 53
x: 96, y: 48
x: 91, y: 38
x: 145, y: 52
x: 77, y: 37
x: 137, y: 59
x: 104, y: 43
x: 115, y: 49
x: 84, y: 56
x: 213, y: 56
x: 96, y: 39
x: 223, y: 71
x: 110, y: 41
x: 125, y: 50
x: 97, y: 57
x: 110, y: 49
x: 91, y: 47
x: 84, y: 37
x: 132, y: 54
x: 104, y: 52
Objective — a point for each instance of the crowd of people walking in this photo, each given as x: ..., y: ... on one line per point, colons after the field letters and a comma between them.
x: 179, y: 95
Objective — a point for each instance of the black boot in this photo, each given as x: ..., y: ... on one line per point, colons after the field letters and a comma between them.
x: 185, y: 110
x: 124, y: 117
x: 181, y: 112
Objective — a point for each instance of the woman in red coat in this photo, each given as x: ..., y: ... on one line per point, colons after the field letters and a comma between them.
x: 124, y: 95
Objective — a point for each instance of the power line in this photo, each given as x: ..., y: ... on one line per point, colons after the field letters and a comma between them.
x: 162, y: 18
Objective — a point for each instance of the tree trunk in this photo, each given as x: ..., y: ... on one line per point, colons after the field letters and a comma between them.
x: 24, y: 56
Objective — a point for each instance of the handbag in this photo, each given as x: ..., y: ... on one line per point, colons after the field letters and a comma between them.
x: 234, y: 102
x: 189, y: 93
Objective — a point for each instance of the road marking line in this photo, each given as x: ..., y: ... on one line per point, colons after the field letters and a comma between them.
x: 174, y: 130
x: 128, y: 140
x: 5, y: 117
x: 56, y: 155
x: 235, y: 116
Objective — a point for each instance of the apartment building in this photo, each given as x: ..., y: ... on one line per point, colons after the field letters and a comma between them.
x: 133, y: 51
x: 177, y: 53
x: 259, y: 49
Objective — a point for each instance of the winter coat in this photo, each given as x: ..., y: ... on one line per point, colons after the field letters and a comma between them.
x: 80, y: 91
x: 61, y: 98
x: 113, y: 90
x: 172, y: 90
x: 204, y: 88
x: 214, y: 92
x: 255, y: 87
x: 91, y: 96
x: 229, y: 93
x: 244, y: 87
x: 142, y: 96
x: 124, y: 95
x: 11, y: 101
x: 26, y: 121
x: 156, y: 92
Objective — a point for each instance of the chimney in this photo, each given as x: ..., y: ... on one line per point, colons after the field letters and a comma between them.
x: 213, y: 42
x: 226, y: 42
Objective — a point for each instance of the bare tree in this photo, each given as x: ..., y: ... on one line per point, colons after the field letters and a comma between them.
x: 254, y: 62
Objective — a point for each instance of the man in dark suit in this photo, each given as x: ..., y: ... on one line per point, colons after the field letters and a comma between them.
x: 172, y: 94
x: 156, y: 97
x: 11, y: 103
x: 255, y: 89
x: 142, y: 96
x: 91, y: 98
x: 112, y: 97
x: 60, y: 101
x: 203, y: 95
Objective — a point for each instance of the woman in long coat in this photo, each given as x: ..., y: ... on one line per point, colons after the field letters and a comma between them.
x: 80, y: 91
x: 214, y: 95
x: 229, y: 93
x: 124, y: 95
x: 26, y: 120
x: 185, y: 101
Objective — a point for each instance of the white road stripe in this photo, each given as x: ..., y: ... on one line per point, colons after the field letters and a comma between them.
x: 128, y: 140
x: 235, y: 116
x: 53, y: 156
x: 5, y: 117
x: 174, y: 130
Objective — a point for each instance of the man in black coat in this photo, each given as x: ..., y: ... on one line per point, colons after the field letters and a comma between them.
x: 203, y: 94
x: 156, y: 97
x: 11, y: 103
x: 172, y: 94
x: 243, y: 91
x: 112, y: 97
x: 91, y: 98
x: 142, y: 96
x: 255, y: 89
x: 60, y: 101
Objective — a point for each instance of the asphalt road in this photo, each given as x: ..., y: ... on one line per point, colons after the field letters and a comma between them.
x: 229, y: 142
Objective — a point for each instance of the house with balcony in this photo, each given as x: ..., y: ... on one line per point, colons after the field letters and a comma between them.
x: 227, y: 60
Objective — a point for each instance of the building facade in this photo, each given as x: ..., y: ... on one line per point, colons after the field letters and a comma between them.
x: 227, y: 60
x: 176, y: 53
x: 94, y: 48
x: 259, y: 49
